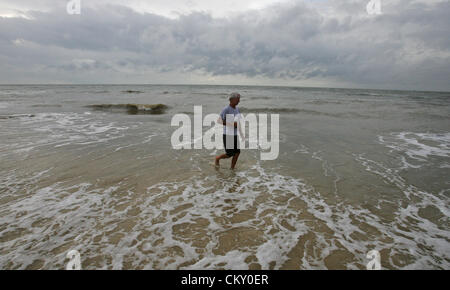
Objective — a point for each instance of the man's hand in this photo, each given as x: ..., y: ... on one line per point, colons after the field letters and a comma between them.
x: 225, y: 124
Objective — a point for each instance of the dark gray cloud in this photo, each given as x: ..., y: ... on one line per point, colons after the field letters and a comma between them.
x: 406, y: 47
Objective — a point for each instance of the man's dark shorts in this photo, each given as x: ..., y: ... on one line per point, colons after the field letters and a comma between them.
x: 234, y: 150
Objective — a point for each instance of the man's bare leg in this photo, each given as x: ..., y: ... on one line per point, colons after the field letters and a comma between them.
x: 223, y: 156
x: 234, y: 160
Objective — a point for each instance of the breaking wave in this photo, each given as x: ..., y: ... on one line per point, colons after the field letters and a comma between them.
x: 132, y: 108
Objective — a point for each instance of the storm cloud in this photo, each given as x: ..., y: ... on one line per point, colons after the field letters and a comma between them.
x: 334, y: 43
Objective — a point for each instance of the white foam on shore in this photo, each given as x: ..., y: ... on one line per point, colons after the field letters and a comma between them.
x: 86, y: 211
x: 413, y: 148
x: 189, y: 224
x: 420, y: 232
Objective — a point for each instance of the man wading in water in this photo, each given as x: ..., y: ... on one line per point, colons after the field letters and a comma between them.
x: 230, y: 129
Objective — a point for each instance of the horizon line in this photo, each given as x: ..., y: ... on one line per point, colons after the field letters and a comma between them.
x: 224, y: 85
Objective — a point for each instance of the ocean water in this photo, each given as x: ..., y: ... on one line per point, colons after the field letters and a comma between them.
x: 358, y: 170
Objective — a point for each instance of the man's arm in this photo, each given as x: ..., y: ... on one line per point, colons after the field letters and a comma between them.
x: 229, y: 124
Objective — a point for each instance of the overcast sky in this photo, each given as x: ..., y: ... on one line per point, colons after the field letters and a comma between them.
x: 265, y: 42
